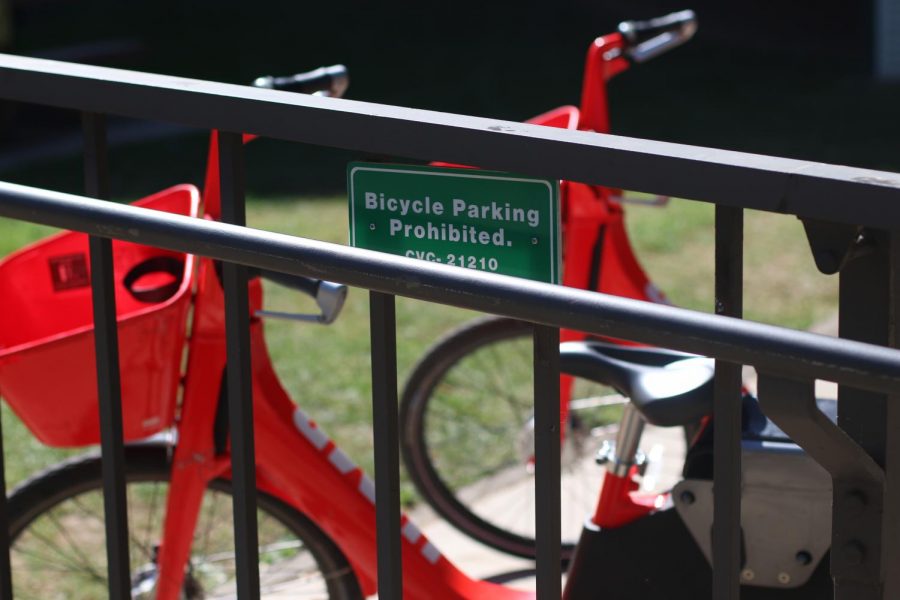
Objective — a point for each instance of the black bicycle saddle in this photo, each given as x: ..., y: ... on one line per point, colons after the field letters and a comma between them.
x: 669, y: 388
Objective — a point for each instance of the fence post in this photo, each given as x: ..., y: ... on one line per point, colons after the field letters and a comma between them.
x: 866, y: 307
x: 383, y: 330
x: 547, y: 461
x: 109, y: 391
x: 5, y: 567
x: 726, y: 533
x: 891, y: 534
x: 239, y: 386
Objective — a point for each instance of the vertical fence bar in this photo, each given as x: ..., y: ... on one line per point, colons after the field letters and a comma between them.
x: 726, y: 534
x: 547, y: 457
x: 238, y: 374
x: 857, y: 558
x: 96, y: 184
x: 382, y: 316
x: 5, y: 567
x: 891, y: 533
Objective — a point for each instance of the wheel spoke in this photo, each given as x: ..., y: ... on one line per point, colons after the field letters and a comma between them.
x: 79, y: 504
x: 149, y: 523
x: 51, y: 566
x: 296, y: 559
x: 73, y: 545
x: 470, y: 401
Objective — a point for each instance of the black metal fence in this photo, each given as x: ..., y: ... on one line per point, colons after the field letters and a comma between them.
x: 851, y: 217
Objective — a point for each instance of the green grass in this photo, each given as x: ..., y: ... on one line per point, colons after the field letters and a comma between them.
x: 327, y: 371
x: 781, y: 283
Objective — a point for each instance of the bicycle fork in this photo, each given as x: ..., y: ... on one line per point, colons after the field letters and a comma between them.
x: 194, y: 464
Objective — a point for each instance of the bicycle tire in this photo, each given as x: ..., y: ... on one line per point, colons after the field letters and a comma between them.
x: 465, y: 354
x: 55, y: 512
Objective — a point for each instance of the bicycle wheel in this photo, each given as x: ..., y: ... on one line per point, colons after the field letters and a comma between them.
x: 466, y: 421
x: 58, y: 538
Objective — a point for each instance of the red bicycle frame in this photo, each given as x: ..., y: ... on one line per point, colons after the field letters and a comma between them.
x: 597, y: 256
x: 342, y: 500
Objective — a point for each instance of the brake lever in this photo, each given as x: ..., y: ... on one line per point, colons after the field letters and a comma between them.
x: 330, y: 299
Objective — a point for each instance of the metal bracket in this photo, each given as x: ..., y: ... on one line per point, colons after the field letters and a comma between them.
x: 785, y: 515
x: 833, y: 245
x: 858, y: 482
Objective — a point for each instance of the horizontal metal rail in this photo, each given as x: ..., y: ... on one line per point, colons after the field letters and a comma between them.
x: 776, y: 350
x: 807, y: 189
x: 732, y: 180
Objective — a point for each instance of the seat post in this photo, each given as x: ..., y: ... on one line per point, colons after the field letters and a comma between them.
x: 631, y: 429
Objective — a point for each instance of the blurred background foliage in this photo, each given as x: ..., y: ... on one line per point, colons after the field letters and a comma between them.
x: 789, y: 79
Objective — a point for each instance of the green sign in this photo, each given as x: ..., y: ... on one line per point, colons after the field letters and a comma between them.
x: 483, y: 220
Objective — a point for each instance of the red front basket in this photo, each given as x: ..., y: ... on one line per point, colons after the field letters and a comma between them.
x: 47, y: 363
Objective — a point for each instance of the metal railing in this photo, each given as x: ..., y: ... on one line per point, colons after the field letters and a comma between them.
x: 851, y: 216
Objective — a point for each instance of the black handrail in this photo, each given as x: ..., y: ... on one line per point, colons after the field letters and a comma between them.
x: 803, y: 188
x: 770, y: 348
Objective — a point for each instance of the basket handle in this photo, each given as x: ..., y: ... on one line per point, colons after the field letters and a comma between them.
x: 157, y: 264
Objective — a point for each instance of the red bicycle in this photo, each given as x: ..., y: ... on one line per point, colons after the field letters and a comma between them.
x: 316, y: 511
x: 466, y: 410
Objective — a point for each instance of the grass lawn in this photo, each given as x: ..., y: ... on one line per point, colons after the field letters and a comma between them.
x: 327, y: 372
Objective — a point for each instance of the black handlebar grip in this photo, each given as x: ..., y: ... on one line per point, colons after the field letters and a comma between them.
x: 640, y: 31
x: 331, y: 81
x: 648, y: 39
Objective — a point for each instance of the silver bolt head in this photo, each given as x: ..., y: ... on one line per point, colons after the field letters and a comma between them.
x: 748, y: 574
x: 784, y: 578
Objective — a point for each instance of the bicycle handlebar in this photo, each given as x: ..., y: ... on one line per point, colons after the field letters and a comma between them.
x: 648, y: 39
x: 327, y: 81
